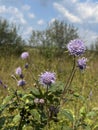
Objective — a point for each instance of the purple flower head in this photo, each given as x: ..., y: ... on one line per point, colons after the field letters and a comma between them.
x: 1, y: 82
x: 5, y: 86
x: 26, y: 65
x: 24, y: 55
x: 82, y: 63
x: 19, y: 71
x: 47, y: 78
x: 21, y: 83
x: 21, y: 76
x: 76, y: 47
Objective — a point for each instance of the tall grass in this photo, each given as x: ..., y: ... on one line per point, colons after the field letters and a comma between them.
x: 85, y: 83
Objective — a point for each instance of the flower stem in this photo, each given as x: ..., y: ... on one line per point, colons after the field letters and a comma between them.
x: 69, y: 81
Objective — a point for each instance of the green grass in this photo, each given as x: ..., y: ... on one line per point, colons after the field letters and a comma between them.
x: 83, y: 82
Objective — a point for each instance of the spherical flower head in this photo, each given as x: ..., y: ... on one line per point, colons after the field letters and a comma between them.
x: 18, y: 71
x: 24, y: 55
x: 76, y: 47
x: 47, y: 78
x: 82, y: 63
x: 21, y: 83
x: 42, y: 101
x: 36, y: 100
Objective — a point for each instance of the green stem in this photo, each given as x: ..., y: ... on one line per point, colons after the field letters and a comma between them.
x: 19, y: 126
x: 47, y: 112
x: 69, y: 81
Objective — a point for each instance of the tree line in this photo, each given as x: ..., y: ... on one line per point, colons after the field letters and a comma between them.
x: 51, y: 40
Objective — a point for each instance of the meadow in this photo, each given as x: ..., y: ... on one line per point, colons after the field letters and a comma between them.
x: 82, y: 96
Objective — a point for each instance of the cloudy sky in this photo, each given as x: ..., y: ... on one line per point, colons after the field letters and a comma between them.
x: 37, y: 14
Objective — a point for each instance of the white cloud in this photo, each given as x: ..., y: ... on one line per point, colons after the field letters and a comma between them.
x: 52, y: 20
x: 88, y: 11
x: 31, y: 15
x: 77, y: 11
x: 2, y: 9
x: 26, y: 7
x: 40, y: 22
x: 84, y: 15
x: 71, y: 17
x: 15, y: 15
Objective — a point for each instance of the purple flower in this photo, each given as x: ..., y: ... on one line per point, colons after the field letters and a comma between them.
x: 21, y: 83
x: 19, y: 71
x: 24, y: 55
x: 26, y: 65
x: 5, y: 86
x: 76, y: 47
x: 82, y: 63
x: 47, y: 78
x: 1, y: 82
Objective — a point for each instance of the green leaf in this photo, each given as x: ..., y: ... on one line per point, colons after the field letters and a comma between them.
x: 87, y: 128
x: 27, y: 127
x: 2, y: 121
x: 67, y: 114
x: 77, y: 95
x: 35, y: 92
x: 35, y: 114
x: 96, y: 127
x: 16, y: 119
x: 56, y: 87
x: 67, y: 128
x: 7, y: 99
x: 92, y: 114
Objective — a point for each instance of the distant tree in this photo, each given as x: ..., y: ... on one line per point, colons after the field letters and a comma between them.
x: 57, y: 35
x: 96, y: 44
x: 10, y: 40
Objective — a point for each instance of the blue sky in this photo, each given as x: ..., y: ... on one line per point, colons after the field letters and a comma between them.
x: 37, y: 14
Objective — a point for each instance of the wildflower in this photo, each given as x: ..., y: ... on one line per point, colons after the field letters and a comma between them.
x: 19, y: 71
x: 21, y: 83
x: 76, y: 47
x: 5, y: 86
x: 36, y: 100
x: 82, y: 63
x: 26, y: 65
x: 24, y: 55
x: 21, y: 76
x: 42, y: 101
x: 1, y: 82
x: 47, y: 78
